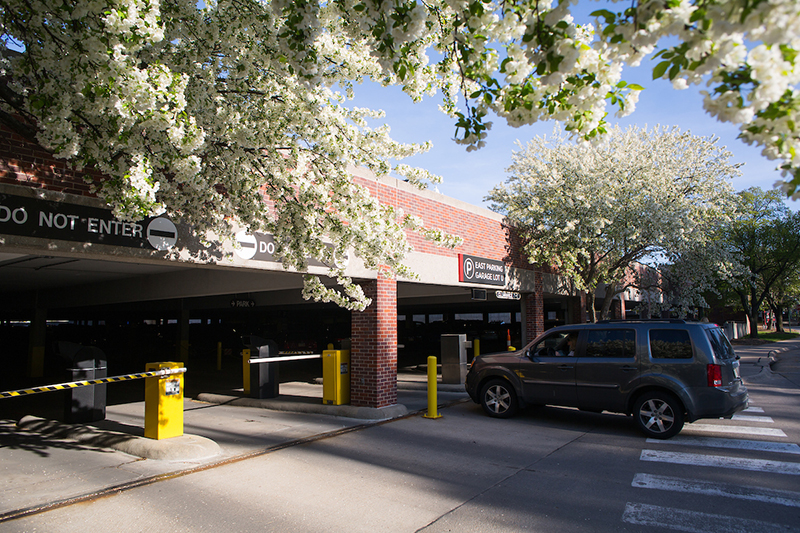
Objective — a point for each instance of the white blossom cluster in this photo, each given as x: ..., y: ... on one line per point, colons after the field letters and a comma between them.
x: 217, y: 117
x: 529, y: 60
x: 593, y: 210
x: 745, y: 52
x: 235, y: 111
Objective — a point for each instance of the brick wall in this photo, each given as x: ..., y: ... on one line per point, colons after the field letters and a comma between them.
x: 483, y: 236
x: 373, y: 357
x: 28, y: 164
x: 534, y: 311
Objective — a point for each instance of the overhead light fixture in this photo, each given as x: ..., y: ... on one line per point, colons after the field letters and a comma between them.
x: 479, y: 294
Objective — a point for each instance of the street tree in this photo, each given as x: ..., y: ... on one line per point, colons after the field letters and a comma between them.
x: 765, y: 236
x: 784, y: 295
x: 235, y: 113
x: 595, y: 210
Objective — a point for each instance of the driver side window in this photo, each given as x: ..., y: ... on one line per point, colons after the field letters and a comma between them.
x: 557, y: 344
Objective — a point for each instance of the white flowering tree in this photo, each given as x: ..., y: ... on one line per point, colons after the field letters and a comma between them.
x: 217, y: 117
x: 234, y: 111
x: 593, y: 210
x: 682, y: 280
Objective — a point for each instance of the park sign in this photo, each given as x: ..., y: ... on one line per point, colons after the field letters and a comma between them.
x: 473, y: 269
x: 34, y: 217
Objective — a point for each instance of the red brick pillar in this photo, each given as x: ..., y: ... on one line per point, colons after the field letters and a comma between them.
x: 373, y: 353
x: 534, y: 311
x: 579, y: 315
x: 618, y: 308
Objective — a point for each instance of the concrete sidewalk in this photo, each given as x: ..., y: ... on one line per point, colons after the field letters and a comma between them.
x: 46, y: 464
x: 758, y: 361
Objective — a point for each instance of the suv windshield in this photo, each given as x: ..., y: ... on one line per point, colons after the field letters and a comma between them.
x: 719, y: 342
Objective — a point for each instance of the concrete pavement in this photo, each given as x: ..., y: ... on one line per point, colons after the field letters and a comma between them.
x: 46, y: 465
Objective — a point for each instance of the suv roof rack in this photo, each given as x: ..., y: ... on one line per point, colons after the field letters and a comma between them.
x: 645, y: 320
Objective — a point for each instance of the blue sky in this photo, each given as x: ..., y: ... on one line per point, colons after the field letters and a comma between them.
x: 469, y: 176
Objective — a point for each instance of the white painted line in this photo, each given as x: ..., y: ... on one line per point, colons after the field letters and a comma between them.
x: 726, y: 490
x: 734, y: 444
x: 682, y: 520
x: 719, y: 461
x: 751, y: 418
x: 734, y: 430
x: 754, y: 410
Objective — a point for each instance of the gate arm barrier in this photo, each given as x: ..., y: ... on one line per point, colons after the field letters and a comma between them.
x: 74, y: 384
x: 285, y: 358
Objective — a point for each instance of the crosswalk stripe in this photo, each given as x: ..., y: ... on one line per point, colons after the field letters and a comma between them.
x: 753, y: 418
x: 707, y: 488
x: 734, y: 444
x: 738, y: 463
x: 682, y: 520
x: 752, y: 409
x: 735, y: 430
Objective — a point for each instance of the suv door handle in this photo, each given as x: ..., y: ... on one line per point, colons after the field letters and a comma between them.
x: 628, y: 368
x: 566, y: 367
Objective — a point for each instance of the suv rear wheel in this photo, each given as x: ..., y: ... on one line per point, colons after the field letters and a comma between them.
x: 658, y: 414
x: 498, y: 399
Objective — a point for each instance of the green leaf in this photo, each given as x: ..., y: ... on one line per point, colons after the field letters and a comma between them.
x: 698, y: 14
x: 541, y: 68
x: 789, y: 54
x: 606, y: 14
x: 660, y: 69
x: 635, y: 87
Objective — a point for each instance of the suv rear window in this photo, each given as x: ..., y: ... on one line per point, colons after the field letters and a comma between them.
x: 611, y: 343
x: 670, y: 344
x: 720, y: 343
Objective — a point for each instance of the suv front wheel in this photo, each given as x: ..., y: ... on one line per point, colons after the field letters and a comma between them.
x: 498, y: 399
x: 659, y: 415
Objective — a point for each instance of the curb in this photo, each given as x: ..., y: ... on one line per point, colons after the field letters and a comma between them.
x: 346, y: 411
x: 423, y: 385
x: 183, y: 448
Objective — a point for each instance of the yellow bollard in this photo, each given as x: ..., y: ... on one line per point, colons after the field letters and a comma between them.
x: 432, y: 411
x: 219, y: 356
x: 476, y: 348
x: 163, y: 403
x: 246, y: 370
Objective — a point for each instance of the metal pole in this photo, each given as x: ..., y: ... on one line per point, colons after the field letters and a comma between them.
x: 432, y: 412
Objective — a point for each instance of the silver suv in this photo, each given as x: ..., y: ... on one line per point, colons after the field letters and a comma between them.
x: 664, y: 373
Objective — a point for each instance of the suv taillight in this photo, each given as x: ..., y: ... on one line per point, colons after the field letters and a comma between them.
x: 714, y: 375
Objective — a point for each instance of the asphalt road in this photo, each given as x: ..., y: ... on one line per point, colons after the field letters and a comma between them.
x: 548, y: 469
